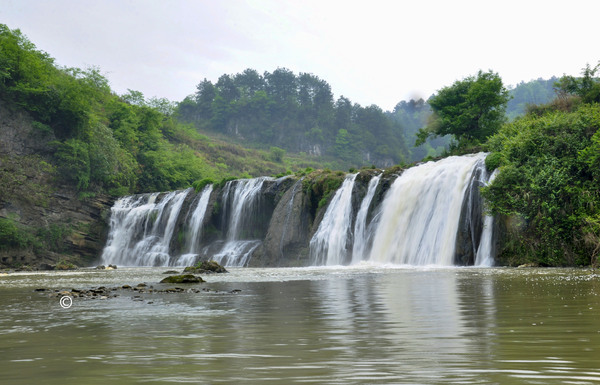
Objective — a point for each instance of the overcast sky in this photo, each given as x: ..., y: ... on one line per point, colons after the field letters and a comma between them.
x: 372, y: 52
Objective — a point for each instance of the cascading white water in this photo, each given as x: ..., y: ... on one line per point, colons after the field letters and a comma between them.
x: 195, y: 221
x: 141, y: 229
x: 328, y: 245
x: 485, y: 257
x: 243, y: 206
x: 360, y: 227
x: 421, y: 212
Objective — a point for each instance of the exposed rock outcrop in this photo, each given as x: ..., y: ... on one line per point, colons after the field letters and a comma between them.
x: 42, y: 209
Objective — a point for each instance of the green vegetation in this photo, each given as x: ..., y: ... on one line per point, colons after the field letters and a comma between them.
x: 103, y: 142
x: 471, y: 110
x: 14, y: 235
x: 296, y: 113
x: 319, y: 185
x: 548, y: 187
x: 526, y: 94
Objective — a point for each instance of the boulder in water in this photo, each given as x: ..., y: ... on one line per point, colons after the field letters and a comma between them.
x: 205, y: 267
x: 183, y: 278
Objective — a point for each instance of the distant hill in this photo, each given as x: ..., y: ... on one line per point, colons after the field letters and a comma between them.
x: 540, y: 91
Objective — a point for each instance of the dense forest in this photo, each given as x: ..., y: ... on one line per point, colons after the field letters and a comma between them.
x: 296, y: 113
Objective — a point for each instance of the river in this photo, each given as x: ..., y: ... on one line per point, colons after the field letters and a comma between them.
x: 362, y: 324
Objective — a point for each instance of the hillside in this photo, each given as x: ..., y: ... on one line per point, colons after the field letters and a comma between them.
x: 69, y: 145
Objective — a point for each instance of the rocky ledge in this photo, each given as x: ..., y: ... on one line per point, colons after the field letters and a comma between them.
x: 134, y: 292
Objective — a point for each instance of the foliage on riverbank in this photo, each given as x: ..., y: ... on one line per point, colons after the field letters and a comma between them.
x: 547, y: 191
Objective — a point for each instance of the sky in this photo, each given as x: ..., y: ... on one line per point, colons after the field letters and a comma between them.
x: 372, y: 52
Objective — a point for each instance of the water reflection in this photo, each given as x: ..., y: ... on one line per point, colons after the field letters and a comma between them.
x: 351, y: 326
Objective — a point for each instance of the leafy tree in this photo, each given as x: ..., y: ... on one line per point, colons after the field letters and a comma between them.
x: 277, y: 154
x: 135, y: 98
x: 249, y: 82
x: 227, y: 88
x: 471, y: 109
x: 587, y: 87
x: 204, y: 98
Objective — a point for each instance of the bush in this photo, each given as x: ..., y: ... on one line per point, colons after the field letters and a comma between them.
x: 12, y: 235
x: 549, y: 180
x: 201, y: 183
x: 276, y: 154
x: 494, y: 160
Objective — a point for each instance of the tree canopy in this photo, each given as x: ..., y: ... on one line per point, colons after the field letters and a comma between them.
x: 471, y: 109
x: 296, y: 113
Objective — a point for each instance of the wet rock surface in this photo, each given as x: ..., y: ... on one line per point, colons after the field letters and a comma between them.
x: 140, y: 292
x: 205, y: 267
x: 182, y: 278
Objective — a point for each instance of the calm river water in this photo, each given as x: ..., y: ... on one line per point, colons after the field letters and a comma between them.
x: 355, y: 325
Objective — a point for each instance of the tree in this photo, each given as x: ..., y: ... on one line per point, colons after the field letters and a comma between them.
x: 587, y: 86
x: 471, y: 109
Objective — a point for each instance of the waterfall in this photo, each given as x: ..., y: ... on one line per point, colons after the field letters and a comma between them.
x: 430, y: 215
x: 328, y: 245
x: 421, y: 211
x: 195, y: 221
x: 141, y: 229
x: 241, y: 201
x: 360, y: 227
x: 485, y: 251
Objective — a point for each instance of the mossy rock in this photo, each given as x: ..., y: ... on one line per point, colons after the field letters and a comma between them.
x: 64, y: 265
x: 205, y: 267
x: 183, y: 278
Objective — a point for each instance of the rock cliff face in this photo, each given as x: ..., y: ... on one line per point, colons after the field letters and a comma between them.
x: 52, y: 223
x: 288, y: 232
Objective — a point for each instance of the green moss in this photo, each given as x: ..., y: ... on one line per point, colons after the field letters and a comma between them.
x: 201, y: 183
x: 184, y: 278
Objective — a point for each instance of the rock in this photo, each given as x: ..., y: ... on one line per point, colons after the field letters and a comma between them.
x: 183, y: 278
x: 527, y: 265
x: 63, y: 265
x: 46, y: 267
x: 171, y: 272
x: 100, y: 267
x: 111, y: 267
x: 125, y: 287
x: 205, y: 267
